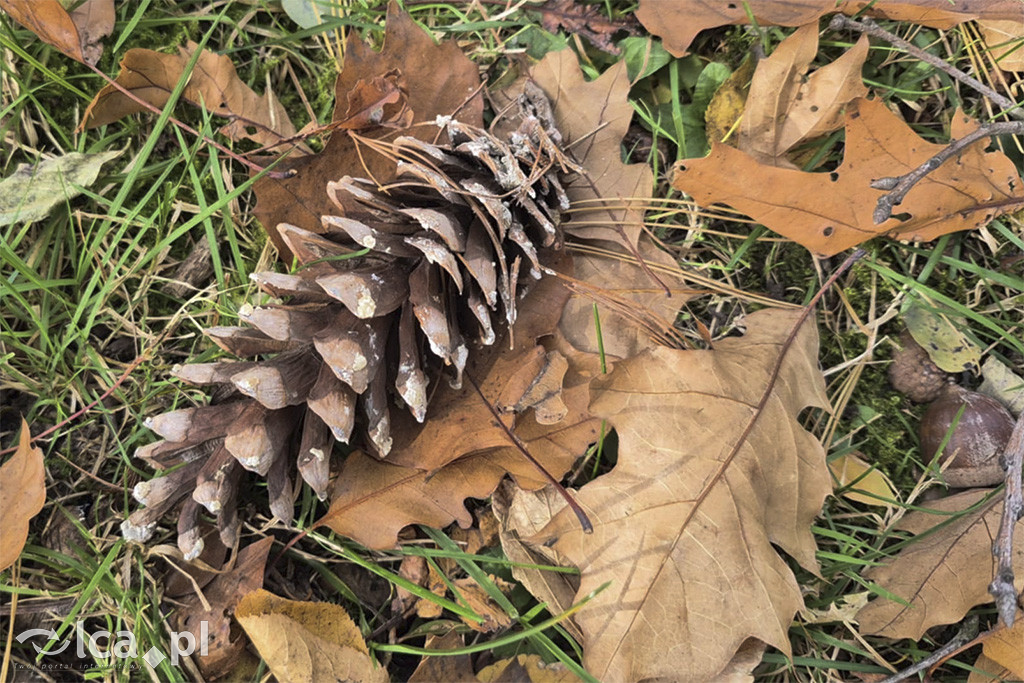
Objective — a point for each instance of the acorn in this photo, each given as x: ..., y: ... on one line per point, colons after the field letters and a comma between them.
x: 913, y: 373
x: 977, y: 442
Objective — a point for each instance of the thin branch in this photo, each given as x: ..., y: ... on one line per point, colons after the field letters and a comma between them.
x: 900, y: 186
x: 1002, y: 588
x: 963, y: 636
x: 868, y: 26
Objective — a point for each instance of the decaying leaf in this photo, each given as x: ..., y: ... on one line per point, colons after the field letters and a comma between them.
x: 831, y: 212
x: 942, y: 337
x: 307, y: 642
x: 1002, y: 384
x: 223, y: 593
x: 434, y: 80
x: 31, y: 192
x: 679, y: 21
x: 212, y: 84
x: 77, y: 33
x: 714, y: 473
x: 785, y: 106
x: 944, y: 573
x: 22, y: 494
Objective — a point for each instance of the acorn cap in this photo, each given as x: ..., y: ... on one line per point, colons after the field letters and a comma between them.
x: 914, y: 374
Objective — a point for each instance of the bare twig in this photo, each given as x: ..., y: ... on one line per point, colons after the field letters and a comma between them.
x: 901, y: 185
x: 868, y: 26
x: 1002, y: 588
x: 963, y: 636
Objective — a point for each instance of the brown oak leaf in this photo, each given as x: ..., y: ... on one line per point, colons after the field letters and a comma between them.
x: 945, y: 572
x: 831, y: 212
x: 22, y: 495
x: 678, y: 22
x: 714, y: 474
x: 77, y: 33
x: 213, y: 84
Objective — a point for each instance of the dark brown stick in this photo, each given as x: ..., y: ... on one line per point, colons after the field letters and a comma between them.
x: 1001, y: 587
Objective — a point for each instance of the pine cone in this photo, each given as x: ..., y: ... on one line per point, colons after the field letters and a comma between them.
x: 393, y: 294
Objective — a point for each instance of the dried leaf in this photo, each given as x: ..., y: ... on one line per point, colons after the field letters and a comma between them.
x: 1004, y: 40
x: 451, y: 669
x: 439, y: 81
x: 22, y: 494
x: 213, y: 84
x: 77, y: 34
x: 785, y: 106
x: 307, y: 642
x: 678, y: 22
x: 1003, y: 646
x: 526, y: 669
x: 943, y: 574
x: 31, y: 192
x: 707, y: 485
x: 223, y: 595
x: 830, y: 212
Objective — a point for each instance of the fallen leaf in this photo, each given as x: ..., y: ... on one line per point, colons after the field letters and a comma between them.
x: 725, y: 109
x: 942, y: 337
x: 522, y: 514
x: 714, y: 473
x: 213, y: 84
x: 307, y: 642
x: 31, y: 192
x: 305, y: 13
x: 988, y: 671
x: 77, y: 34
x: 450, y: 668
x: 944, y: 573
x: 678, y: 22
x: 872, y: 487
x: 830, y: 212
x: 1005, y: 41
x: 475, y: 597
x: 1004, y: 646
x: 225, y: 644
x: 22, y: 494
x: 1002, y: 384
x: 436, y: 79
x: 785, y: 106
x: 577, y: 18
x: 526, y: 669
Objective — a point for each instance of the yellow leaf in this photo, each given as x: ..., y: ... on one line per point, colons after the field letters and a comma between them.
x: 307, y: 641
x: 1006, y: 646
x: 22, y: 494
x: 872, y: 487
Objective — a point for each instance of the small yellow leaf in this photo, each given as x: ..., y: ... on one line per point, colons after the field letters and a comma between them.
x: 872, y: 487
x: 22, y: 494
x: 307, y: 641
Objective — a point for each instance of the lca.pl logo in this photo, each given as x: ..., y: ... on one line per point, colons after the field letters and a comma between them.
x: 124, y: 648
